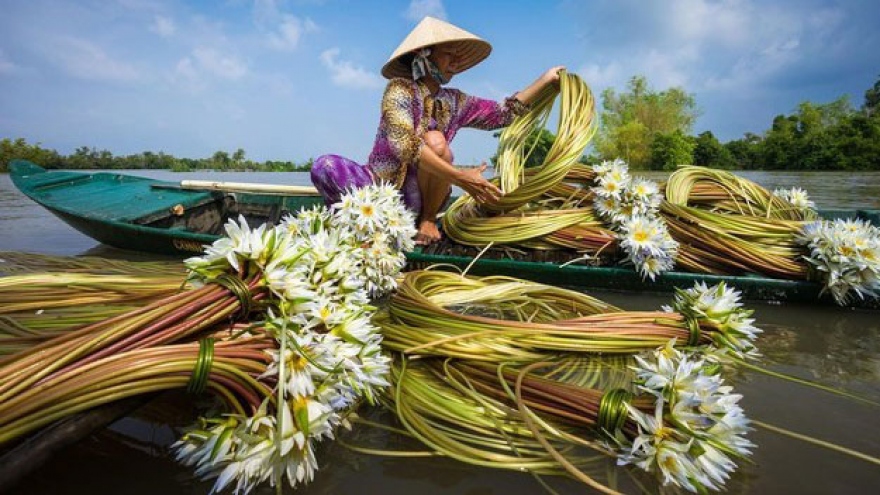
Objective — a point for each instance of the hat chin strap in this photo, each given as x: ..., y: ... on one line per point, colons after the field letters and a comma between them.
x: 422, y: 66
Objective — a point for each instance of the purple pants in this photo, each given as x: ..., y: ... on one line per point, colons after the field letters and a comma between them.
x: 334, y: 175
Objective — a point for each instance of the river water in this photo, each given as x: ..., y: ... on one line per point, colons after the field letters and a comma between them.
x: 835, y: 347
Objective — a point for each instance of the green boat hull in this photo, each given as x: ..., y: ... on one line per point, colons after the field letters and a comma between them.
x: 148, y: 215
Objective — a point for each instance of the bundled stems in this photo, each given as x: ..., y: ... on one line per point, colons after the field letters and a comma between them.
x: 233, y: 370
x: 164, y: 321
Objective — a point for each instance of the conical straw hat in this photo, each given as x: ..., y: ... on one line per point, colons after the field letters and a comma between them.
x: 471, y: 49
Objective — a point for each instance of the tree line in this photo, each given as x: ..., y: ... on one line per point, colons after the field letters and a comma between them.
x: 91, y: 158
x: 651, y: 130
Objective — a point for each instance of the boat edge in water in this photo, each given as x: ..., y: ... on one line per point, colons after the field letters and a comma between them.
x: 125, y: 227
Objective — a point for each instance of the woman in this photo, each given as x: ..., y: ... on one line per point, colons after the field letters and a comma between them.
x: 420, y: 118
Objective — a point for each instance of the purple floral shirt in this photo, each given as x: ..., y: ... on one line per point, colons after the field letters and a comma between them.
x: 409, y: 110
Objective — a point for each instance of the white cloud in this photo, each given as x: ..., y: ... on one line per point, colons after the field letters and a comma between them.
x: 713, y: 45
x: 667, y: 69
x: 289, y: 32
x: 213, y: 61
x: 163, y: 26
x: 599, y: 77
x: 418, y: 9
x: 726, y: 22
x: 194, y: 71
x: 86, y: 60
x: 186, y: 74
x: 345, y: 74
x: 266, y: 10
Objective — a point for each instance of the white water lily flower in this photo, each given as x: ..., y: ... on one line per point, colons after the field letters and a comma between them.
x: 320, y: 268
x: 720, y: 305
x: 658, y: 448
x: 607, y: 206
x: 714, y: 463
x: 643, y: 234
x: 848, y: 252
x: 609, y: 187
x: 631, y: 206
x: 797, y: 197
x: 696, y: 426
x: 648, y: 245
x: 646, y: 194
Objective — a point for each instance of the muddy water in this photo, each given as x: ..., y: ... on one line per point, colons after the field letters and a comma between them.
x: 835, y: 347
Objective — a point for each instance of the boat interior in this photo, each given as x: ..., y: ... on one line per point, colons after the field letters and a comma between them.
x: 209, y: 215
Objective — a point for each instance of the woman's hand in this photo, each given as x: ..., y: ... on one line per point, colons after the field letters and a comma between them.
x: 531, y: 92
x: 473, y: 183
x: 552, y: 75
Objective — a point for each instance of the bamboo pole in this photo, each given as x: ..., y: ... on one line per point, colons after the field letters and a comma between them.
x: 249, y: 187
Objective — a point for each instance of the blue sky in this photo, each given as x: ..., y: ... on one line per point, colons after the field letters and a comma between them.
x: 289, y: 80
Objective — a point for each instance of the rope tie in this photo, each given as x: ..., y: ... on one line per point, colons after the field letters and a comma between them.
x: 693, y: 325
x: 238, y: 288
x: 612, y: 410
x: 198, y: 381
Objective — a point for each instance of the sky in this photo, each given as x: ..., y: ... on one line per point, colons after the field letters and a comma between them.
x: 293, y: 79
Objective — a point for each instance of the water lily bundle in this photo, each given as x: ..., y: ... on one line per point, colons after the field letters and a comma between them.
x: 308, y: 284
x: 538, y: 210
x: 847, y: 254
x: 174, y: 318
x: 492, y: 372
x: 723, y: 192
x: 729, y: 225
x: 227, y: 367
x: 440, y: 406
x: 502, y: 319
x: 674, y: 417
x: 329, y: 355
x: 631, y: 207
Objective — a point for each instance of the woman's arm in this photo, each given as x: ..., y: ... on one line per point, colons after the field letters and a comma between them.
x: 471, y: 179
x: 531, y: 92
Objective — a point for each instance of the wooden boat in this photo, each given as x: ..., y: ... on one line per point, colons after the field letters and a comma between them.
x: 142, y: 214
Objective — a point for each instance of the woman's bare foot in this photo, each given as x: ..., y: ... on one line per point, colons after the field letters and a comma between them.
x: 428, y: 233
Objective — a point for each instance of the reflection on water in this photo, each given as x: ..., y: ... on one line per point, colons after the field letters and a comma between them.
x: 832, y: 346
x: 843, y: 352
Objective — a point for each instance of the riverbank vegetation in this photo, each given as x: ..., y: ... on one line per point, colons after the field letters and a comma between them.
x: 649, y: 129
x: 91, y: 158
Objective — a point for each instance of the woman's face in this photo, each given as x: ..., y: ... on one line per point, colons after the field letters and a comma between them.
x: 446, y: 60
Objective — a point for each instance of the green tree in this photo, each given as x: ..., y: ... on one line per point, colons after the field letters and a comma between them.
x: 220, y: 160
x: 709, y: 152
x: 872, y: 99
x: 238, y: 158
x: 670, y: 150
x: 806, y: 140
x: 631, y: 120
x: 20, y: 149
x: 857, y: 142
x: 745, y: 151
x: 538, y: 144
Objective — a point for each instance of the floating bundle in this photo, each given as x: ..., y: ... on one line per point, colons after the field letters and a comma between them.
x: 502, y: 319
x: 276, y: 325
x: 507, y: 373
x: 44, y: 296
